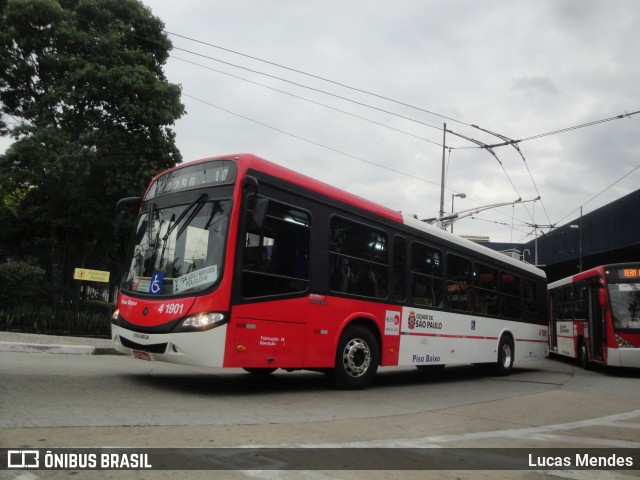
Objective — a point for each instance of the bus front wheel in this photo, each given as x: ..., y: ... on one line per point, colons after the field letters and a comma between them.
x: 505, y: 356
x: 357, y: 358
x: 583, y: 356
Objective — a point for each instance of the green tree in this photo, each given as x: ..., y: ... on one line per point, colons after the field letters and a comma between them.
x: 84, y: 79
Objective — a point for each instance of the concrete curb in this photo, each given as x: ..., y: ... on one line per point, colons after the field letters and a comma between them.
x: 50, y: 348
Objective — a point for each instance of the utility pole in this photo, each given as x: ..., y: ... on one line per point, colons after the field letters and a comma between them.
x: 460, y: 195
x: 444, y: 147
x: 579, y: 227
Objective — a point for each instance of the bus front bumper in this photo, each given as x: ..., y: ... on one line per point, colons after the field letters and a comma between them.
x: 624, y: 357
x: 202, y: 349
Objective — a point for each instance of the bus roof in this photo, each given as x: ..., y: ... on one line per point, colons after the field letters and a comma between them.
x: 468, y: 244
x: 248, y: 161
x: 592, y: 272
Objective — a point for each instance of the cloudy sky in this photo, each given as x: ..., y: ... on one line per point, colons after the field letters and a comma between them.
x: 518, y: 68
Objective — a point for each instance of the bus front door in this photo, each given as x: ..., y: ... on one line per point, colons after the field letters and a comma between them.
x: 597, y: 333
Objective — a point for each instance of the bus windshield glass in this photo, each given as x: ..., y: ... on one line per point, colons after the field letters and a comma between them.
x: 178, y: 249
x: 625, y: 305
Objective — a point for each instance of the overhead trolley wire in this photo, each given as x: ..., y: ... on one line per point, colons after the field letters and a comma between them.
x: 318, y: 90
x: 480, y: 145
x: 599, y: 193
x: 477, y: 142
x: 309, y: 141
x: 318, y: 77
x: 308, y: 100
x: 383, y: 97
x: 517, y: 148
x: 507, y: 141
x: 312, y: 142
x: 567, y: 129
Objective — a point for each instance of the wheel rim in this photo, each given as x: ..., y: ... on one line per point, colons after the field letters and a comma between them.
x: 506, y: 355
x: 356, y: 357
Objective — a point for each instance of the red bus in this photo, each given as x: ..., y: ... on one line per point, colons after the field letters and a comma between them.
x: 239, y: 262
x: 595, y: 316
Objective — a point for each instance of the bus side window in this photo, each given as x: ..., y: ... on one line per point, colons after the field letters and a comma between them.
x: 276, y: 254
x: 510, y: 300
x: 358, y: 259
x: 530, y: 296
x: 567, y: 305
x: 579, y: 301
x: 459, y: 280
x: 399, y: 249
x: 426, y: 276
x: 485, y: 290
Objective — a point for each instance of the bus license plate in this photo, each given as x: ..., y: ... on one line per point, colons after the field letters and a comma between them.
x: 141, y: 355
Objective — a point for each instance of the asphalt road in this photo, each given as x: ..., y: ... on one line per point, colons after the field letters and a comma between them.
x: 54, y: 401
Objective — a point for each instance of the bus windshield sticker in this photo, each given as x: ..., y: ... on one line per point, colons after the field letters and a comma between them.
x: 141, y: 284
x: 196, y: 278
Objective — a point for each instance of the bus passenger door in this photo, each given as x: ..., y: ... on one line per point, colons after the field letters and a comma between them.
x: 553, y: 317
x: 597, y: 334
x: 271, y: 311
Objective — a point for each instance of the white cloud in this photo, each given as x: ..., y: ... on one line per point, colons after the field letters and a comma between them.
x: 519, y: 68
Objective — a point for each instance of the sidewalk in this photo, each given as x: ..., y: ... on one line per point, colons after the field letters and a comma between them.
x: 32, y: 343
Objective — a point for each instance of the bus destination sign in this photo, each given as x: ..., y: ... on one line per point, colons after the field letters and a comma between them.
x: 624, y: 273
x: 220, y: 172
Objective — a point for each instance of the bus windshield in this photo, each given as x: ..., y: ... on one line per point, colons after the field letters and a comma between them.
x: 625, y: 305
x: 178, y: 249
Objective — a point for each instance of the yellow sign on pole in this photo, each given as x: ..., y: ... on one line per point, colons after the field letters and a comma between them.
x: 91, y: 275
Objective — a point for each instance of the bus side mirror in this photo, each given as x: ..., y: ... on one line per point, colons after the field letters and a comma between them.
x: 128, y: 201
x: 259, y: 213
x: 251, y: 182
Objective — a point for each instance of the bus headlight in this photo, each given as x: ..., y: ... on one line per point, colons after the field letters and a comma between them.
x: 622, y: 343
x: 202, y: 322
x: 115, y: 316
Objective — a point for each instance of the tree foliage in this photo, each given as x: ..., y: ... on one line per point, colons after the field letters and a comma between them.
x: 84, y: 81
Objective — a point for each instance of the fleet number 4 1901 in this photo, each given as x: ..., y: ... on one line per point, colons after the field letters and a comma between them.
x: 171, y: 308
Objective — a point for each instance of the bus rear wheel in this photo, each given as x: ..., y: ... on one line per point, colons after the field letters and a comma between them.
x: 504, y: 364
x: 357, y: 358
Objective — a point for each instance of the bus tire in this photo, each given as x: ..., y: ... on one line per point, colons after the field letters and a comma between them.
x: 583, y: 356
x: 260, y: 371
x: 357, y: 358
x: 504, y: 365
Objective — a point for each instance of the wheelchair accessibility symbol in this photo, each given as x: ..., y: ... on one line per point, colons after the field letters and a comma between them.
x: 155, y: 287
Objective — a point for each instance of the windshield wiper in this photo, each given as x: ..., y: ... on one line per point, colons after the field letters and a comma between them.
x: 183, y: 214
x: 150, y: 211
x: 215, y: 209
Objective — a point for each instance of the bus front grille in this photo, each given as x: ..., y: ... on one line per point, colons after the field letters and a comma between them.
x: 155, y: 348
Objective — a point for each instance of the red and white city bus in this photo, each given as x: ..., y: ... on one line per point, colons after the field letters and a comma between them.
x: 239, y: 262
x: 595, y: 316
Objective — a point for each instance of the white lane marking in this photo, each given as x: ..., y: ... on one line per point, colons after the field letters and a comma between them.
x: 546, y: 433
